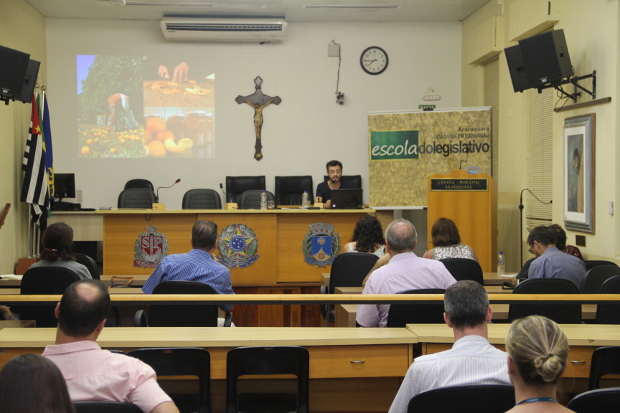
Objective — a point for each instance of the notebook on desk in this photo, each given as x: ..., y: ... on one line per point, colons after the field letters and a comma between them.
x: 347, y: 198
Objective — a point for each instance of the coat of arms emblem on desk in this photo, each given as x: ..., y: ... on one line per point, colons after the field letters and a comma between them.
x: 321, y: 244
x: 150, y: 248
x: 238, y: 246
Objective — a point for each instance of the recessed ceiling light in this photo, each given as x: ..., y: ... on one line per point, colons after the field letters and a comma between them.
x: 350, y: 6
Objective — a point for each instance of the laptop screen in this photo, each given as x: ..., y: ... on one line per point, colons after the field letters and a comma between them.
x: 349, y: 198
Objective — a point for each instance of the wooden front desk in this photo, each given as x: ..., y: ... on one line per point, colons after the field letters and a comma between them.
x: 279, y: 232
x: 350, y: 369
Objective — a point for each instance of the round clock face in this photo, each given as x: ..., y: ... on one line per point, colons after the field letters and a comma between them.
x: 374, y: 60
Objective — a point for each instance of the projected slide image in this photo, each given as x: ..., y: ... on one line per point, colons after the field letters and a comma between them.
x: 129, y: 107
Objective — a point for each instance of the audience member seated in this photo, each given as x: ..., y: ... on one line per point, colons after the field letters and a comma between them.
x: 32, y: 383
x: 57, y: 242
x: 367, y: 237
x: 324, y: 189
x: 90, y: 372
x: 550, y: 262
x: 537, y: 352
x: 405, y: 271
x: 472, y: 360
x: 560, y: 242
x: 197, y: 265
x: 447, y: 242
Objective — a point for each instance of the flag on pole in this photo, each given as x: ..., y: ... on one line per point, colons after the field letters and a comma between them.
x: 47, y: 145
x: 34, y: 188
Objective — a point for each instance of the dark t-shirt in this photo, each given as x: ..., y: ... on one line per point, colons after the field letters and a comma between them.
x: 324, y: 192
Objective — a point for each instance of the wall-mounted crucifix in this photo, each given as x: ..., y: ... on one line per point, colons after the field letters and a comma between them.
x: 258, y: 101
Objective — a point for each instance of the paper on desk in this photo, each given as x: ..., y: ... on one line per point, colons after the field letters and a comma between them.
x: 11, y: 277
x: 509, y: 275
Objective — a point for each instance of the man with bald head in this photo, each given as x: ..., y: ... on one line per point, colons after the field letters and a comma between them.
x: 405, y: 271
x: 90, y: 372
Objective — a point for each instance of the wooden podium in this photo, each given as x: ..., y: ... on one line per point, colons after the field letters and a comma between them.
x: 471, y: 202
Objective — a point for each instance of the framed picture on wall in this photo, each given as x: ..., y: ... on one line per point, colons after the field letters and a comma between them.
x: 579, y: 138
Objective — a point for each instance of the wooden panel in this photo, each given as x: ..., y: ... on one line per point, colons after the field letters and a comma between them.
x: 87, y: 226
x: 579, y: 361
x: 291, y: 231
x: 473, y: 212
x: 279, y: 315
x: 359, y: 361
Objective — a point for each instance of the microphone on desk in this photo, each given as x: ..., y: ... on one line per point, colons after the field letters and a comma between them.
x: 226, y: 194
x: 164, y: 187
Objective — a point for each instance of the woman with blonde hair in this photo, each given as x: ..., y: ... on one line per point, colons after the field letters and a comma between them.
x: 537, y: 352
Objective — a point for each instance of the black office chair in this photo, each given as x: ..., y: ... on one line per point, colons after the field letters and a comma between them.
x: 464, y: 269
x: 89, y: 263
x: 609, y: 313
x: 290, y: 189
x: 596, y: 401
x: 182, y: 362
x: 605, y: 360
x: 597, y: 276
x: 181, y: 315
x: 348, y: 270
x: 139, y: 183
x: 560, y: 313
x: 136, y: 198
x: 524, y: 272
x: 251, y: 199
x: 481, y: 398
x: 202, y: 199
x: 595, y: 263
x: 41, y: 281
x: 400, y: 315
x: 355, y: 181
x: 237, y: 185
x: 105, y: 407
x: 244, y: 361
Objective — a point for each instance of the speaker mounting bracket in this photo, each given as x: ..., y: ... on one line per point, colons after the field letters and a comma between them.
x: 574, y: 81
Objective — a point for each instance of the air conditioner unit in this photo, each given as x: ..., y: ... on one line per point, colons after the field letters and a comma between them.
x: 224, y: 30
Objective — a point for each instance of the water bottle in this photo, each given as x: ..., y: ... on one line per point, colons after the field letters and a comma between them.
x: 501, y: 264
x: 305, y: 203
x: 263, y: 200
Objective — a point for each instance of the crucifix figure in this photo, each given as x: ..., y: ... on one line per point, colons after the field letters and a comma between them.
x: 258, y: 101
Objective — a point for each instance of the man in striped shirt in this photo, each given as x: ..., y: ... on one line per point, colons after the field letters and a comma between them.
x: 197, y: 265
x: 472, y: 360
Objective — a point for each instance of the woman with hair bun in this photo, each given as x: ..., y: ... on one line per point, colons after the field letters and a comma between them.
x: 57, y: 242
x: 537, y: 352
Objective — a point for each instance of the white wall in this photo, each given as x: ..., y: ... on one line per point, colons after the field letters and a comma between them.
x: 299, y: 136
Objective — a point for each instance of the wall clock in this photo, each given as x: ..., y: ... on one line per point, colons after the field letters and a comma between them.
x: 374, y: 60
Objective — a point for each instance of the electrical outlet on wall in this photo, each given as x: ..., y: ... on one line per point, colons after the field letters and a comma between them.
x: 78, y: 196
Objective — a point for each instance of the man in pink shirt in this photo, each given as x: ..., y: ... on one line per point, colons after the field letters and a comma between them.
x: 405, y: 271
x: 90, y: 372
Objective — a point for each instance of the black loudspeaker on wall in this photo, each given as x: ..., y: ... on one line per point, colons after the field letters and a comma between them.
x: 13, y: 66
x: 539, y: 60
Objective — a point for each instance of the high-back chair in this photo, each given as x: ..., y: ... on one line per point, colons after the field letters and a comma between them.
x: 354, y: 181
x: 139, y: 183
x: 464, y: 269
x: 605, y: 360
x: 140, y: 198
x: 89, y: 263
x: 181, y: 315
x: 202, y: 199
x: 245, y: 361
x: 40, y: 281
x: 290, y: 189
x: 182, y: 362
x: 400, y: 315
x: 480, y: 398
x: 596, y: 401
x: 251, y: 199
x: 609, y: 313
x: 560, y: 313
x: 595, y: 263
x: 597, y: 276
x: 237, y: 185
x: 348, y: 270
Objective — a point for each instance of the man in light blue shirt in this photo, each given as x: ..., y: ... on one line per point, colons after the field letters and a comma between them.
x: 550, y: 261
x: 197, y: 265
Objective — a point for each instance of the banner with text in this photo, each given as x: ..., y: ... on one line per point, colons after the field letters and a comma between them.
x: 405, y: 148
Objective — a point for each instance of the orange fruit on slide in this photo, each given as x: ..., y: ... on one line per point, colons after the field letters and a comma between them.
x: 148, y: 136
x: 113, y: 150
x: 156, y: 148
x: 155, y: 124
x: 85, y: 150
x: 165, y: 134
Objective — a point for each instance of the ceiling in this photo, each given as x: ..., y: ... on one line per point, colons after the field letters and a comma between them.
x: 291, y: 10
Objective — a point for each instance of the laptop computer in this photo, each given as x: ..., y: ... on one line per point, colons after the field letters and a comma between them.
x: 347, y: 198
